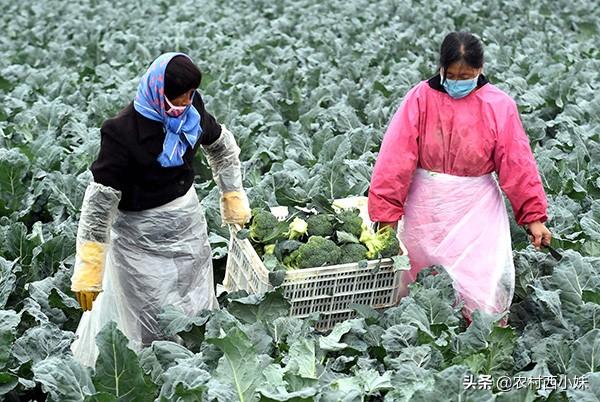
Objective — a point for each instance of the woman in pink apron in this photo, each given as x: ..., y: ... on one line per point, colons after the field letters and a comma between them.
x: 435, y: 172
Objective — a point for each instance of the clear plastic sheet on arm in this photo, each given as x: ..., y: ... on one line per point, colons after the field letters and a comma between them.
x: 157, y: 257
x: 223, y: 159
x: 98, y: 211
x: 462, y: 224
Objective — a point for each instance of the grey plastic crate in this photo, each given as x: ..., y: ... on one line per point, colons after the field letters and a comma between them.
x: 326, y: 290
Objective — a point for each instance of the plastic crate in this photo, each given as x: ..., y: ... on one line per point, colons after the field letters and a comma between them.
x: 326, y: 290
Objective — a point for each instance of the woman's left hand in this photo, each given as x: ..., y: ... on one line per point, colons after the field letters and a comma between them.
x: 539, y: 234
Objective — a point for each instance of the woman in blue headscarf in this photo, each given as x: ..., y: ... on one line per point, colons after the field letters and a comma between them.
x: 142, y: 240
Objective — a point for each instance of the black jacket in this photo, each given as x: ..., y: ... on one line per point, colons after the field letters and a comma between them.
x: 130, y: 144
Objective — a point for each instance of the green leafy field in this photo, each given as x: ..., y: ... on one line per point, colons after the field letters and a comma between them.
x: 307, y: 87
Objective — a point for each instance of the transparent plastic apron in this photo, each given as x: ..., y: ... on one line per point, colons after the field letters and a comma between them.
x: 157, y: 257
x: 462, y: 224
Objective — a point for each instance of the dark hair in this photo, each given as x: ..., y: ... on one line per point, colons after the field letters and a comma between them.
x: 181, y: 75
x: 461, y: 47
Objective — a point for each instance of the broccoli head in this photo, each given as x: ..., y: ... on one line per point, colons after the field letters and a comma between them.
x: 382, y: 243
x: 320, y: 225
x: 298, y: 229
x: 353, y: 252
x: 349, y: 221
x: 265, y: 227
x: 317, y: 252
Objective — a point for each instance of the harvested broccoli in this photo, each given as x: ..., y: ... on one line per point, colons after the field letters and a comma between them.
x: 298, y: 229
x: 286, y: 247
x: 263, y: 224
x: 265, y: 228
x: 353, y: 252
x: 382, y: 243
x: 289, y: 261
x: 318, y: 252
x: 349, y: 221
x: 320, y: 225
x: 269, y: 249
x: 284, y: 250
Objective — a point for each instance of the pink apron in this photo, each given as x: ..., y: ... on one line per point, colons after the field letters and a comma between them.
x: 462, y: 224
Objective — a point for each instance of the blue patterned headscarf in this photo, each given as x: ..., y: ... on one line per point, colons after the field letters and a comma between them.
x: 182, y: 131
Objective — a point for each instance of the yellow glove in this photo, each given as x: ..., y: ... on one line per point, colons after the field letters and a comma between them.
x: 85, y: 299
x: 235, y: 208
x: 86, y: 281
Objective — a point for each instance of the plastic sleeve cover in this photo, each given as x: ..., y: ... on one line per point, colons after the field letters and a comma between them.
x: 223, y: 159
x: 98, y: 212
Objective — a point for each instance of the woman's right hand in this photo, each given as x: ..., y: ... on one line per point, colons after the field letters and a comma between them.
x: 85, y: 299
x: 88, y: 273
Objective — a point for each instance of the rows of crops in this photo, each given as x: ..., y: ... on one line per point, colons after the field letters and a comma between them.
x: 307, y: 87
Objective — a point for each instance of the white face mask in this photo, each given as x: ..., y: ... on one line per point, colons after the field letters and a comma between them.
x: 458, y: 89
x: 174, y: 111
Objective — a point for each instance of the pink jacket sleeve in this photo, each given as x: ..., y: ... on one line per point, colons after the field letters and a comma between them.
x: 396, y: 163
x: 517, y: 171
